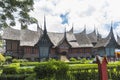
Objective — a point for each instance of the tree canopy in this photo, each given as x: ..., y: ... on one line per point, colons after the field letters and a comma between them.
x: 16, y: 10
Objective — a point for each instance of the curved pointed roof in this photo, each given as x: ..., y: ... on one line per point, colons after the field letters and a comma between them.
x: 71, y: 30
x: 72, y: 39
x: 83, y: 39
x: 63, y: 39
x: 118, y: 39
x: 92, y: 36
x: 11, y: 34
x: 29, y: 38
x: 84, y: 31
x: 105, y: 41
x: 55, y: 37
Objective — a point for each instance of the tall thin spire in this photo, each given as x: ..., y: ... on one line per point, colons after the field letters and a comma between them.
x: 71, y: 29
x: 39, y: 29
x: 111, y: 29
x: 98, y: 35
x: 94, y: 28
x: 84, y: 29
x: 65, y: 33
x: 111, y: 34
x: 45, y: 30
x: 117, y: 37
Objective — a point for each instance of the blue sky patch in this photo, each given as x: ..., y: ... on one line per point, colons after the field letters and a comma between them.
x: 64, y: 18
x: 114, y: 25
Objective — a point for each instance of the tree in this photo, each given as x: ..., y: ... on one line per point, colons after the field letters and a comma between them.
x: 12, y: 10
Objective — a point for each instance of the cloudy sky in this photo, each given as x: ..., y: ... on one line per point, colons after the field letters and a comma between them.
x: 65, y: 13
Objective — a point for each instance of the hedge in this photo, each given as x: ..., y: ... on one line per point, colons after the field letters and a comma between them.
x: 57, y: 70
x: 12, y: 77
x: 50, y: 69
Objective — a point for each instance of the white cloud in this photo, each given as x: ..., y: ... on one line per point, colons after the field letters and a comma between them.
x: 81, y: 12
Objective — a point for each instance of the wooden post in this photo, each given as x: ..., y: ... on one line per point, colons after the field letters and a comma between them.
x: 102, y: 67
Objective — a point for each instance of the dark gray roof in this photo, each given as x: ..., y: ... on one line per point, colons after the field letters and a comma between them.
x: 105, y: 41
x: 55, y: 37
x: 29, y: 38
x: 83, y: 39
x: 26, y: 37
x: 92, y: 36
x: 11, y: 34
x: 72, y: 39
x: 102, y: 42
x: 64, y: 39
x: 118, y: 39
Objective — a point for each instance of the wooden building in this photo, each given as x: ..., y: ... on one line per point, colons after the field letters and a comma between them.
x: 42, y: 44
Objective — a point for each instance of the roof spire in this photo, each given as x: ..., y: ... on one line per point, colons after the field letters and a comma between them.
x: 37, y: 25
x: 111, y: 34
x: 84, y: 29
x: 98, y: 35
x: 71, y: 29
x: 94, y: 28
x: 65, y: 33
x: 39, y: 29
x: 117, y: 37
x: 45, y: 30
x: 111, y: 30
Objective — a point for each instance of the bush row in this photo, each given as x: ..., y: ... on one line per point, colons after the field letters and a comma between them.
x: 15, y: 68
x: 50, y: 69
x: 57, y: 70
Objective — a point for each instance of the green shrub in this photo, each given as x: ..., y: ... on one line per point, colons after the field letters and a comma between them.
x: 73, y: 59
x: 8, y: 58
x: 19, y: 60
x: 61, y: 67
x: 12, y: 77
x: 9, y: 70
x: 31, y: 77
x: 45, y: 70
x: 15, y: 65
x: 83, y: 60
x: 25, y: 70
x: 2, y: 59
x: 51, y: 68
x: 31, y: 63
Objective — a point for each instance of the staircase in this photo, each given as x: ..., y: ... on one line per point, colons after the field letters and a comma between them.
x: 64, y: 58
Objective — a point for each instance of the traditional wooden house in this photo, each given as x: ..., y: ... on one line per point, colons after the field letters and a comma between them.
x: 42, y: 44
x: 106, y: 46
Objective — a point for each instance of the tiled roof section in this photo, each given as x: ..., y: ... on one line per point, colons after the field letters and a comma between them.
x: 72, y: 39
x: 29, y: 38
x: 105, y: 41
x: 55, y: 37
x: 11, y: 34
x: 64, y: 39
x: 93, y: 37
x: 118, y: 39
x: 83, y: 40
x: 102, y: 42
x: 71, y: 30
